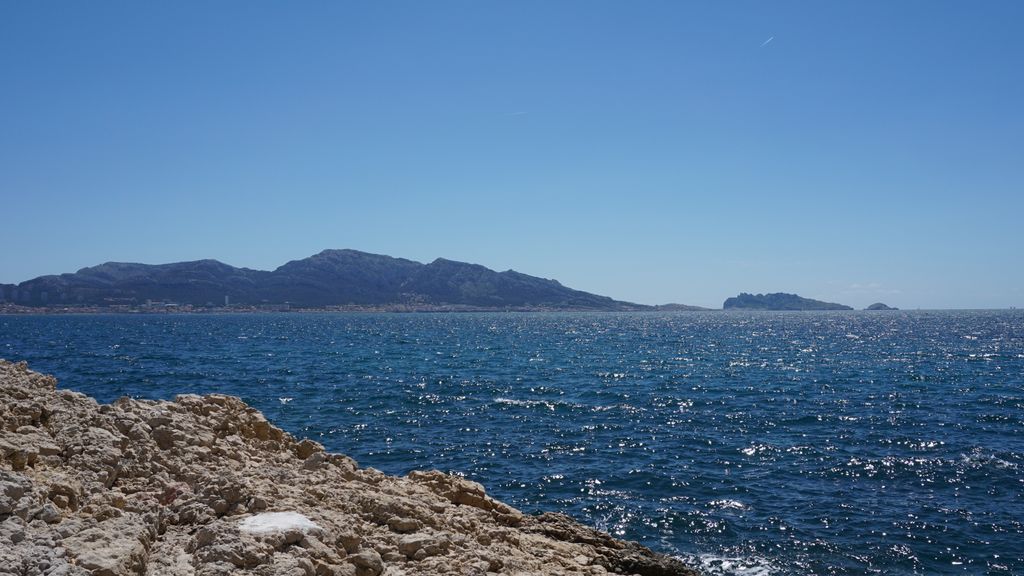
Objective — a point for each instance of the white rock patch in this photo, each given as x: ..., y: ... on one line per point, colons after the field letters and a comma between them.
x: 277, y: 522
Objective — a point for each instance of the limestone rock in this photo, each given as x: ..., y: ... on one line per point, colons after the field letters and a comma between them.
x: 367, y: 563
x: 205, y: 486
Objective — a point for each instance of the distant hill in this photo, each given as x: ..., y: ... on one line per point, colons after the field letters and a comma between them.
x: 679, y: 308
x: 880, y: 306
x: 330, y: 278
x: 778, y: 301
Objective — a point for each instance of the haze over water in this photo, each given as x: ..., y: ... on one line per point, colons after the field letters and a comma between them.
x: 750, y: 443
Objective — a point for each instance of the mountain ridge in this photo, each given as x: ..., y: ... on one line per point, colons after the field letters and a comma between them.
x: 332, y: 277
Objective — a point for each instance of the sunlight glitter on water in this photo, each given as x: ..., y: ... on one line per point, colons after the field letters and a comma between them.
x: 749, y: 443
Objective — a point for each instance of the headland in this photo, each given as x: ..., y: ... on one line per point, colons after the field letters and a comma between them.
x: 205, y: 486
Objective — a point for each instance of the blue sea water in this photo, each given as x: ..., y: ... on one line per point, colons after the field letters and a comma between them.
x: 748, y: 443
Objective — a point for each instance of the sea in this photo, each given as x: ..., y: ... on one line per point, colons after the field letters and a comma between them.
x: 756, y: 444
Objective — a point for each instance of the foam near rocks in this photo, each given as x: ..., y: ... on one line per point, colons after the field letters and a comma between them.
x: 268, y: 522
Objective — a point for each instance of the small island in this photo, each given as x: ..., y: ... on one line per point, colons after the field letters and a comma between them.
x: 679, y: 308
x: 778, y: 301
x: 880, y: 306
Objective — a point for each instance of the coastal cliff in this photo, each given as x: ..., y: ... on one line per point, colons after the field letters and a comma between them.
x: 205, y: 486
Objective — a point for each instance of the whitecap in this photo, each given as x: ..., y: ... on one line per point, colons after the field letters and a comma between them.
x: 727, y: 504
x: 715, y: 565
x: 757, y: 449
x: 525, y: 403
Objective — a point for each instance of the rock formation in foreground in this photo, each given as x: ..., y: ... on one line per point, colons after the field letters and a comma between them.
x: 205, y: 486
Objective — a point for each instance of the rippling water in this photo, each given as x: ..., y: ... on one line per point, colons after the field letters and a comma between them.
x: 756, y: 444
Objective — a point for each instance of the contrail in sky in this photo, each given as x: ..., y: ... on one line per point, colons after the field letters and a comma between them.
x: 766, y: 42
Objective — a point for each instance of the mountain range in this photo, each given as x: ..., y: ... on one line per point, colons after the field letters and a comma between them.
x: 347, y: 279
x: 330, y: 278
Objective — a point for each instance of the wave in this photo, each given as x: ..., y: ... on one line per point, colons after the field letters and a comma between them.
x: 728, y: 504
x: 715, y: 565
x: 552, y: 405
x: 526, y: 403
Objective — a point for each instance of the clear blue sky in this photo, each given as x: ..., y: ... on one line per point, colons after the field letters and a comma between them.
x: 651, y: 151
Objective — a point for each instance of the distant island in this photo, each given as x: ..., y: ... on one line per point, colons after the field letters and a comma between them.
x: 778, y: 301
x: 331, y: 280
x: 880, y: 306
x: 679, y: 308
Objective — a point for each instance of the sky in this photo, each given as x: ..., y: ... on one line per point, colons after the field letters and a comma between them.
x: 655, y: 151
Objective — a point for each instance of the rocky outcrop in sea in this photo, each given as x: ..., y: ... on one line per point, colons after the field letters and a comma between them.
x: 205, y: 486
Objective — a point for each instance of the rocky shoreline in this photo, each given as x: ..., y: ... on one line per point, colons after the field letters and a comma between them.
x: 205, y: 486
